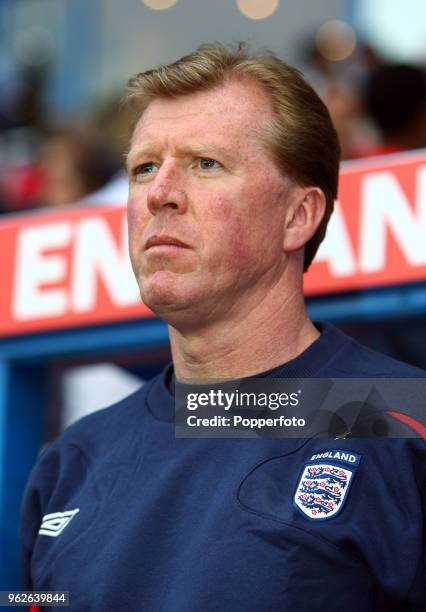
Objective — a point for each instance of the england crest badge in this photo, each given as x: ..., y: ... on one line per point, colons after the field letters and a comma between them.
x: 324, y: 484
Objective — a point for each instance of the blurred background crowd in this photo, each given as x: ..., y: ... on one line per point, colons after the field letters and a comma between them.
x: 62, y: 134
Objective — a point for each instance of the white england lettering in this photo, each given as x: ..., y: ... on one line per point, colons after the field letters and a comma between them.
x: 97, y: 255
x: 348, y: 457
x: 421, y: 191
x: 35, y: 268
x: 384, y: 207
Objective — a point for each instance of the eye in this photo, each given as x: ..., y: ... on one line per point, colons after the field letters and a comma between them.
x: 143, y: 169
x: 206, y: 163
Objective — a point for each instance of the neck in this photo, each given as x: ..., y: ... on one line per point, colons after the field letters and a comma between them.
x: 252, y: 339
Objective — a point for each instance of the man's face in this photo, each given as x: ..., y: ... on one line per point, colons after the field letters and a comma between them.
x: 206, y: 203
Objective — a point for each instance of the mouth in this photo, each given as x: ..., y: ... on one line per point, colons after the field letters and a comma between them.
x: 164, y: 241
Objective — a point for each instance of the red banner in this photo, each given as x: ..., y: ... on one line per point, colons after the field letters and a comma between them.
x: 377, y: 233
x: 71, y: 268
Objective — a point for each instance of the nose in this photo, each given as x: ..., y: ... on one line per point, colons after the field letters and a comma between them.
x: 167, y: 191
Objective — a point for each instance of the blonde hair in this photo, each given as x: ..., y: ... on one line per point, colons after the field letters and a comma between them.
x: 300, y: 135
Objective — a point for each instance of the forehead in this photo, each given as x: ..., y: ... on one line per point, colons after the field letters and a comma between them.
x: 233, y: 110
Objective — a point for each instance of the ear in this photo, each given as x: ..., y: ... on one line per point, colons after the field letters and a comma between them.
x: 306, y: 208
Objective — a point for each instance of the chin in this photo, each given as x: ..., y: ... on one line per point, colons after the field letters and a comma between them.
x: 165, y: 293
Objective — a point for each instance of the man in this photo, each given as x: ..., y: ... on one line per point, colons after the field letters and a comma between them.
x: 233, y: 169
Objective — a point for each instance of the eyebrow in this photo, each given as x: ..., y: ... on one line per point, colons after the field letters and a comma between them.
x: 131, y: 157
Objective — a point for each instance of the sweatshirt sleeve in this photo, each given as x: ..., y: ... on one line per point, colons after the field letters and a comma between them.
x: 417, y: 595
x: 37, y: 489
x: 59, y: 472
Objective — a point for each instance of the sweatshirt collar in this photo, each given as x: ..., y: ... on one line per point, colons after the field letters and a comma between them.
x: 306, y: 365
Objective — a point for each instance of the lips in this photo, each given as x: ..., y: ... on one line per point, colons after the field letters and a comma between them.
x: 164, y: 240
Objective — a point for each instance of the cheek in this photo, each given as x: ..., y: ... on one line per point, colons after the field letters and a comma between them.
x: 137, y: 220
x: 248, y: 237
x: 228, y: 233
x: 243, y: 222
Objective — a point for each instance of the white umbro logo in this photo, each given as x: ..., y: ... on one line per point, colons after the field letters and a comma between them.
x: 54, y: 524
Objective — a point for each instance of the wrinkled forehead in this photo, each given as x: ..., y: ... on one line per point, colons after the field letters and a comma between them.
x: 237, y: 106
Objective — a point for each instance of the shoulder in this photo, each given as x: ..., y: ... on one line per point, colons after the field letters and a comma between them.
x: 104, y: 426
x: 97, y: 443
x: 394, y: 405
x: 356, y: 360
x: 72, y: 462
x: 88, y: 440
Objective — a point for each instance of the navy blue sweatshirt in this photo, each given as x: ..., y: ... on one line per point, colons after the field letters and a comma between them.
x: 126, y: 517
